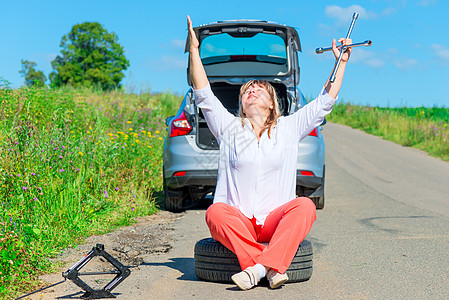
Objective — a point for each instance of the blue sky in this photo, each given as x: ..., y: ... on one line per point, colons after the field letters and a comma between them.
x: 407, y: 65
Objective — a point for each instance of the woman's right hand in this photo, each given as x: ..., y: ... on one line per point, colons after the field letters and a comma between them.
x: 193, y: 40
x: 197, y: 73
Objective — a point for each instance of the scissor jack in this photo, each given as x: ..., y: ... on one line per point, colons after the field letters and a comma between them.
x: 74, y: 272
x: 121, y: 271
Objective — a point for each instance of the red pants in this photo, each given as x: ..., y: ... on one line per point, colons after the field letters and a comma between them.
x: 284, y: 229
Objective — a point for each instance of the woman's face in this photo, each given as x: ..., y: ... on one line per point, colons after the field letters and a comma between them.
x: 256, y: 99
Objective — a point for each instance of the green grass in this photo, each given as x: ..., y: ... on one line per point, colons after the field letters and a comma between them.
x: 423, y: 128
x: 73, y: 163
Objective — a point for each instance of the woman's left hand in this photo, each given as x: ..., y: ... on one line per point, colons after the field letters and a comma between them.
x: 336, y: 49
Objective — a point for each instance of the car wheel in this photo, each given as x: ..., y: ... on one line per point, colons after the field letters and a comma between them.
x: 173, y: 199
x: 214, y: 262
x: 181, y: 199
x: 319, y: 202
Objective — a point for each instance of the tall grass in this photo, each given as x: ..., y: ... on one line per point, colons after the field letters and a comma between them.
x: 73, y: 163
x: 422, y: 128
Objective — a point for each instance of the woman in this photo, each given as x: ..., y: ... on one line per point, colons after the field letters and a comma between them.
x: 255, y: 201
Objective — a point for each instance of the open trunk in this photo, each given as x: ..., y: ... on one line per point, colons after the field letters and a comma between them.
x: 228, y: 94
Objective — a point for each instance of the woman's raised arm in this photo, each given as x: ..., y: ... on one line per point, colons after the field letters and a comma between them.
x: 332, y: 88
x: 197, y: 73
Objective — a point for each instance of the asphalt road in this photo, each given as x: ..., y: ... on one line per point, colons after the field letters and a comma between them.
x: 383, y: 234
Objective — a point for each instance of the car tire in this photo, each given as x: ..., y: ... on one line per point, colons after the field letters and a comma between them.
x: 173, y: 199
x: 319, y: 201
x: 214, y: 262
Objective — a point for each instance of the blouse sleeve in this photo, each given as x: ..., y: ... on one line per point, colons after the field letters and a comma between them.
x: 218, y: 118
x: 311, y: 115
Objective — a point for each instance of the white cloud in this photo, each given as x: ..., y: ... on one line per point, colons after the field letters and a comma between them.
x: 47, y: 57
x: 405, y: 64
x: 178, y: 44
x: 174, y: 44
x: 374, y: 62
x: 388, y: 11
x: 167, y: 63
x: 441, y: 52
x: 392, y: 51
x: 426, y: 2
x: 358, y: 56
x: 344, y: 15
x: 173, y: 63
x: 365, y: 57
x: 326, y: 30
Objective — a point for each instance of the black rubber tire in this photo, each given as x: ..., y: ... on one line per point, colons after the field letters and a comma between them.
x: 214, y: 262
x: 302, y: 191
x: 318, y: 201
x: 180, y: 200
x: 174, y: 204
x: 173, y: 199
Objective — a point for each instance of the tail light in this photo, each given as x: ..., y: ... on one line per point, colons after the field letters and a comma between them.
x: 307, y: 173
x: 180, y: 126
x: 314, y: 132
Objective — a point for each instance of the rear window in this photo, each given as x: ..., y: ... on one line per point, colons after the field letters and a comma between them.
x: 260, y: 47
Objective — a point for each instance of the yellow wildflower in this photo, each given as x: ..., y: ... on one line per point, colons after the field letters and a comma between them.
x: 80, y: 153
x: 129, y: 122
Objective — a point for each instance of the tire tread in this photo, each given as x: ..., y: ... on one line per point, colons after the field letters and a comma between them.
x: 214, y: 262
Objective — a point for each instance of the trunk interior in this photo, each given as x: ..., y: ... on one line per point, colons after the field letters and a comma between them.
x: 228, y: 94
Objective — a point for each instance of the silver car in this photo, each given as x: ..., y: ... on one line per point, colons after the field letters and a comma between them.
x: 234, y: 52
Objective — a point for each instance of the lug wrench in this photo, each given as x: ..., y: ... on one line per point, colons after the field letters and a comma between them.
x: 343, y: 48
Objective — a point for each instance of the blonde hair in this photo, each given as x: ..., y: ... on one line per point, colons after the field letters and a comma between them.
x: 275, y: 113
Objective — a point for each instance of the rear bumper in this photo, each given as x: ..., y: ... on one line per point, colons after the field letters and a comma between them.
x: 310, y: 182
x: 182, y: 154
x: 193, y: 178
x: 209, y: 178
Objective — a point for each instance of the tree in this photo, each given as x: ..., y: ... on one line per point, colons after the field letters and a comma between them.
x: 31, y: 75
x: 90, y: 56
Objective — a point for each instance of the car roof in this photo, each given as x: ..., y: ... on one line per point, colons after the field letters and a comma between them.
x: 246, y: 27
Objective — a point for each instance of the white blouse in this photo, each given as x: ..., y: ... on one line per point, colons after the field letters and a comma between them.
x: 258, y: 176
